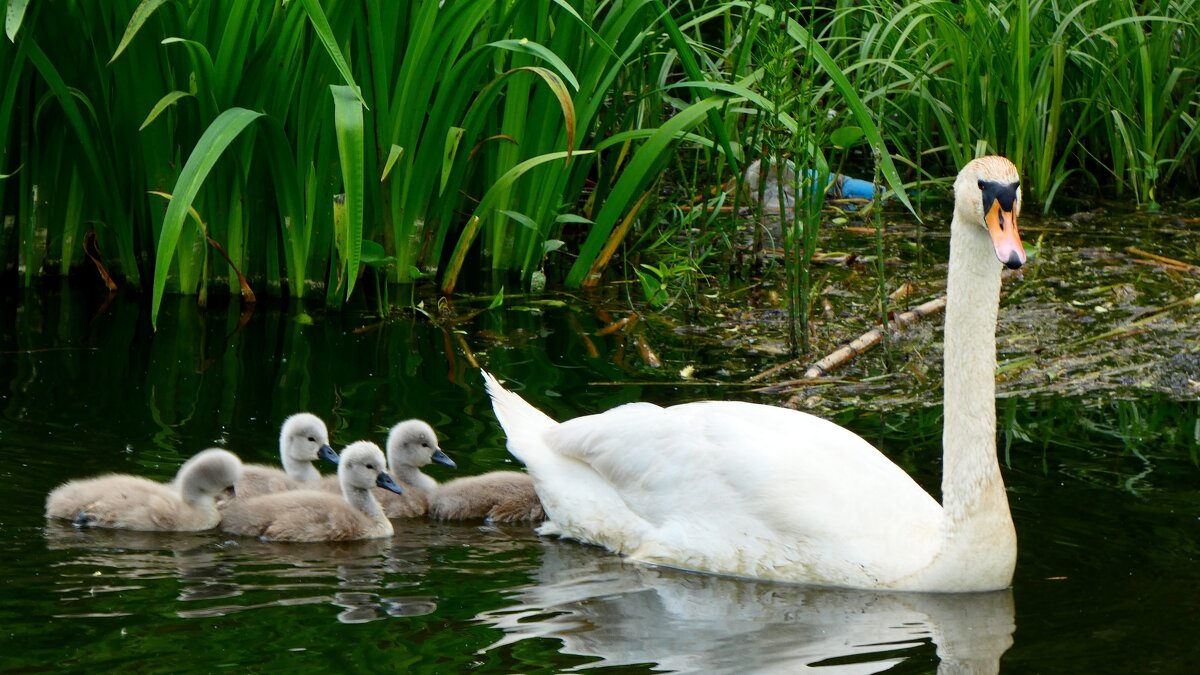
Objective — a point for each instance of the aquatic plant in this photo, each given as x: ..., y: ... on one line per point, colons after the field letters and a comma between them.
x: 526, y: 138
x: 1095, y: 91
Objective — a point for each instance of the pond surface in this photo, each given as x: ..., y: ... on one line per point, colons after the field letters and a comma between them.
x: 1104, y: 486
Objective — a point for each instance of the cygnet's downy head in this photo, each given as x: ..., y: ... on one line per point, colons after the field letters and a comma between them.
x: 362, y: 467
x: 207, y: 474
x: 304, y: 438
x: 412, y: 443
x: 987, y: 192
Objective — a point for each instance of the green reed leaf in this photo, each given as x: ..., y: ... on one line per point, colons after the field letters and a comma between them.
x: 348, y: 122
x: 163, y: 103
x: 216, y: 138
x: 143, y: 12
x: 320, y: 24
x: 529, y: 47
x: 394, y: 155
x: 13, y: 18
x: 633, y: 182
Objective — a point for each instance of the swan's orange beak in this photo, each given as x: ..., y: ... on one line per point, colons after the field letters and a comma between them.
x: 1002, y: 225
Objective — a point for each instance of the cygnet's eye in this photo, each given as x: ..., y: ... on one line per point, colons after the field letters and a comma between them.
x: 371, y: 467
x: 312, y: 440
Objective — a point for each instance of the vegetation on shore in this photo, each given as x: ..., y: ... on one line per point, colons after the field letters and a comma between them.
x: 316, y: 145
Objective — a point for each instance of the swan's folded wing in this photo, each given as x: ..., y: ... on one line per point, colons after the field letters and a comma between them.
x: 715, y: 482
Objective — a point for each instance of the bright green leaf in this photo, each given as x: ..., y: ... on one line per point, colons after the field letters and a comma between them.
x: 216, y: 138
x: 348, y: 123
x: 143, y: 11
x: 453, y: 138
x: 13, y: 18
x: 163, y: 103
x: 394, y: 156
x: 845, y: 137
x: 497, y: 300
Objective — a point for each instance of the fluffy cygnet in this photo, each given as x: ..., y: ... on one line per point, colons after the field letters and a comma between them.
x: 315, y: 515
x: 122, y: 501
x: 303, y: 439
x: 498, y: 496
x: 411, y: 444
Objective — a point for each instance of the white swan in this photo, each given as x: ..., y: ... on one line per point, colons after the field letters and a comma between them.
x: 122, y: 501
x: 303, y: 439
x: 315, y: 515
x: 758, y: 491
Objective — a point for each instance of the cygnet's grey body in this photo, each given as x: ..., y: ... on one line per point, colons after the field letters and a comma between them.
x: 498, y: 496
x: 122, y: 501
x: 303, y: 439
x: 310, y: 515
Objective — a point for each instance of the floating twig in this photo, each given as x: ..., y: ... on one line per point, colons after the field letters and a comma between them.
x: 869, y: 339
x: 620, y: 325
x: 1163, y: 260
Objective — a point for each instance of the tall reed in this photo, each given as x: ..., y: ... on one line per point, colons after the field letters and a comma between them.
x: 524, y: 138
x: 1107, y: 92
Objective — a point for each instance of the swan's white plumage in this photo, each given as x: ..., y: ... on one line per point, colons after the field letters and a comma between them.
x: 758, y: 491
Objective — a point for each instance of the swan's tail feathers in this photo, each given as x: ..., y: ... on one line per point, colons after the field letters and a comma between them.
x: 523, y: 424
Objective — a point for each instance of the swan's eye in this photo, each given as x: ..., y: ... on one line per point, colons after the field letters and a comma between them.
x: 1016, y: 185
x: 981, y: 185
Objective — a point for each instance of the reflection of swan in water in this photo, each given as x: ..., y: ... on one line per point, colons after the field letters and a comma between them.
x: 627, y: 614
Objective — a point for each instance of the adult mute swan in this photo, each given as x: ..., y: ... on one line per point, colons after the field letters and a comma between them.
x: 314, y: 515
x: 125, y: 502
x: 763, y: 492
x: 303, y: 439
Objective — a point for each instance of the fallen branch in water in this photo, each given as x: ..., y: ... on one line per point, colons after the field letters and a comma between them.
x: 1163, y: 260
x: 869, y: 339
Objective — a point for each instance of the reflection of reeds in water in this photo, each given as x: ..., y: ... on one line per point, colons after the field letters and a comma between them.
x: 624, y: 614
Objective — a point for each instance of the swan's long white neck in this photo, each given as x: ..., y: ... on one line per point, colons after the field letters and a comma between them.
x: 975, y: 504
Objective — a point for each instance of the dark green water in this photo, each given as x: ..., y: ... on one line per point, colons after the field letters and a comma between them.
x: 1105, y: 494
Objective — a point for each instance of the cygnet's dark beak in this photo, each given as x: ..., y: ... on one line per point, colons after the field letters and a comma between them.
x: 326, y: 453
x: 386, y: 482
x: 442, y: 458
